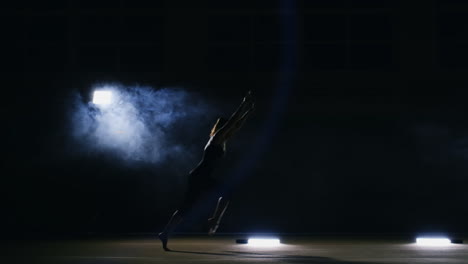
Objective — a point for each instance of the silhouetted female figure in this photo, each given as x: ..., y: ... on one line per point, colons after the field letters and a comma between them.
x: 200, y: 181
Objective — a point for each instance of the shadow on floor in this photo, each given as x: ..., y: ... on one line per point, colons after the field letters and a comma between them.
x: 282, y: 258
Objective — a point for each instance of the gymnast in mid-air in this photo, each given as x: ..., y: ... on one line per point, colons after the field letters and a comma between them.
x: 201, y: 182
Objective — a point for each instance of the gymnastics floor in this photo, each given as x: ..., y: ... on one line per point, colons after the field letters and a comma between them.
x: 223, y: 249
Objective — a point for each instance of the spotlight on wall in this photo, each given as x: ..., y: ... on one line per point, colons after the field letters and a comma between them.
x: 102, y: 97
x: 433, y: 241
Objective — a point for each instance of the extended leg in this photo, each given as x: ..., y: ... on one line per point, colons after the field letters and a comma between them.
x: 171, y: 225
x: 217, y: 215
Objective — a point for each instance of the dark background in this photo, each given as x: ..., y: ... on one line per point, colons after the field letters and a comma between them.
x: 360, y: 124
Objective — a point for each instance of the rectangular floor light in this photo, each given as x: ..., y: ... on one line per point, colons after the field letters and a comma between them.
x: 433, y: 241
x: 263, y: 241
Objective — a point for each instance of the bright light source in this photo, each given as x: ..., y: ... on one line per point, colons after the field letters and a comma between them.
x: 102, y: 97
x: 263, y: 241
x: 433, y: 241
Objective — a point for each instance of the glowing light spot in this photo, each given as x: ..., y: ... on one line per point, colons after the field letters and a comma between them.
x: 263, y: 241
x: 432, y: 241
x: 102, y: 97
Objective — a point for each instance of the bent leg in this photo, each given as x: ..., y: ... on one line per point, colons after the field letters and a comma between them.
x: 217, y: 215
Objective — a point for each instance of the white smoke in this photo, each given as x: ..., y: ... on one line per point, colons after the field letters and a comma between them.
x: 140, y: 124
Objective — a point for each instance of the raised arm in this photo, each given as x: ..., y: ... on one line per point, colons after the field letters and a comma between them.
x: 223, y: 133
x: 238, y: 125
x: 240, y: 111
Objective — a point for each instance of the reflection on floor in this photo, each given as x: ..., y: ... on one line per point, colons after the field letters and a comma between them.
x: 223, y: 249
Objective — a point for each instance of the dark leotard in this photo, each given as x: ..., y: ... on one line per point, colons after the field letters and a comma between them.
x: 201, y: 181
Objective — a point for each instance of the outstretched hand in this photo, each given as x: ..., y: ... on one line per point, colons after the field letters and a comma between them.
x: 248, y: 97
x: 248, y: 102
x: 252, y: 107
